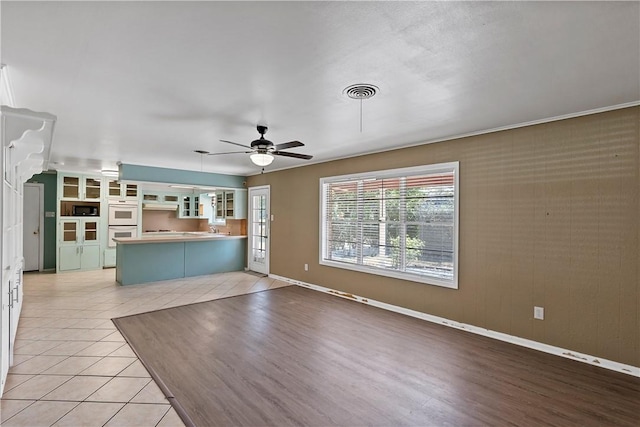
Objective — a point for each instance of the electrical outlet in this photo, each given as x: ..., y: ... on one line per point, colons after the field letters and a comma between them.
x: 272, y: 217
x: 538, y: 313
x: 306, y: 267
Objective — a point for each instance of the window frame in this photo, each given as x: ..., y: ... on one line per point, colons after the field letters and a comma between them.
x: 407, y: 172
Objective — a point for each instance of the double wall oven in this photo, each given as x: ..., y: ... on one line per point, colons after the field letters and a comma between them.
x: 123, y: 222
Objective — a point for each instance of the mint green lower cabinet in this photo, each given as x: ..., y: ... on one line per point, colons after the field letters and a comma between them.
x: 151, y: 262
x: 90, y: 257
x: 69, y: 258
x: 109, y: 257
x: 79, y: 244
x: 79, y: 257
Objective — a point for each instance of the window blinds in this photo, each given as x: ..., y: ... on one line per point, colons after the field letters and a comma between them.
x: 400, y: 223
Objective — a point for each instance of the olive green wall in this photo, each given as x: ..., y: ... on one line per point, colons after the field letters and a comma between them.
x: 548, y: 216
x: 49, y: 179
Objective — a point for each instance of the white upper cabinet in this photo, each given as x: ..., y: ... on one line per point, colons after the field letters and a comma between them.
x: 190, y: 206
x: 117, y: 190
x: 79, y: 187
x: 231, y: 204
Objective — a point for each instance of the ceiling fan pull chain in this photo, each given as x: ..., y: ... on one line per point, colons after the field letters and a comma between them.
x: 360, y: 115
x: 360, y: 91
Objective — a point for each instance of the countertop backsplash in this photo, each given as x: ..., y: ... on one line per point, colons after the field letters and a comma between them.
x: 233, y: 227
x: 168, y: 221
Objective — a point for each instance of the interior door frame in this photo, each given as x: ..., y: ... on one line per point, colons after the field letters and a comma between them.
x: 250, y: 228
x: 40, y: 186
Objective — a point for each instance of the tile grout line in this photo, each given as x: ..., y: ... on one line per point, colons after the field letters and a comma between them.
x: 46, y: 315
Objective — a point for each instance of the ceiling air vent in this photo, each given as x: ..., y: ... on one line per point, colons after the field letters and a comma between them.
x: 361, y: 91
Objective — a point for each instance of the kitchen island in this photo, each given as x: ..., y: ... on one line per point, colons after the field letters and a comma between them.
x: 163, y: 256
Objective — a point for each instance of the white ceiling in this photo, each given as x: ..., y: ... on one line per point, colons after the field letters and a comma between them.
x: 149, y: 82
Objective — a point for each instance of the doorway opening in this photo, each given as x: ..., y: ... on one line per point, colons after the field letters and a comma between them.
x: 33, y: 227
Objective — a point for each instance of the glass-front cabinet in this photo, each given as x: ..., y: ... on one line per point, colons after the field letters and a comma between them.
x: 79, y: 231
x: 121, y: 190
x: 71, y: 187
x: 157, y: 197
x: 114, y: 189
x: 185, y: 207
x: 231, y: 204
x: 79, y: 187
x: 69, y: 232
x: 79, y: 213
x: 190, y: 206
x: 92, y: 188
x: 228, y: 204
x: 79, y: 247
x: 130, y: 191
x: 89, y: 230
x: 220, y: 211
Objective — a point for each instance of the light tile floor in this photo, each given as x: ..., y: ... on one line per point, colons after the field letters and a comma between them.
x: 71, y: 365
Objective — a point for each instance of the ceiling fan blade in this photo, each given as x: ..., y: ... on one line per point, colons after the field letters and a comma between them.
x: 291, y: 144
x: 230, y: 152
x: 235, y: 143
x: 294, y: 155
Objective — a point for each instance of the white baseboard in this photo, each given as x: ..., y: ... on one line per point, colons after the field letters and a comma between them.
x: 535, y: 345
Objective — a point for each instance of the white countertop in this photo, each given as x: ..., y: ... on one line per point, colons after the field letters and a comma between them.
x: 171, y: 236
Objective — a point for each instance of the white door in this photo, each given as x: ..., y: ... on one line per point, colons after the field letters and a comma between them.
x: 258, y: 250
x: 32, y: 228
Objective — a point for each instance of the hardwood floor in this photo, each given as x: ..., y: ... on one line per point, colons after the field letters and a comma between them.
x: 292, y: 356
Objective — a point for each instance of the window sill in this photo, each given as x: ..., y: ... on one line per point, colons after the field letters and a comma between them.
x: 428, y: 280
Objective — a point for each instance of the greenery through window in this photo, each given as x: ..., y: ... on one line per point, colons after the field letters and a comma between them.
x: 400, y: 223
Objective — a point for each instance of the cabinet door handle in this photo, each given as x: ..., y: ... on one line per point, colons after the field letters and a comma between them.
x: 17, y: 296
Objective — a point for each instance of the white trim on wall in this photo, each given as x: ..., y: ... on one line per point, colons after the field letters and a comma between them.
x: 523, y: 342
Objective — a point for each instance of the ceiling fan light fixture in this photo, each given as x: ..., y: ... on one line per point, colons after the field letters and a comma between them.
x: 261, y: 159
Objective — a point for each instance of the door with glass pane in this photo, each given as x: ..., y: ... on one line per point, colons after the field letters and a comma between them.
x: 258, y: 226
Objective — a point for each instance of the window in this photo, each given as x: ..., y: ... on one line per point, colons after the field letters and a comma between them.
x: 400, y: 223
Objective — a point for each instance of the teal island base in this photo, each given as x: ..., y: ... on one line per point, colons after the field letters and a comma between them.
x: 151, y: 262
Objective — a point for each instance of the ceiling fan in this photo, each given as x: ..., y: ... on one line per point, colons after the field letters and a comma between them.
x: 262, y: 150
